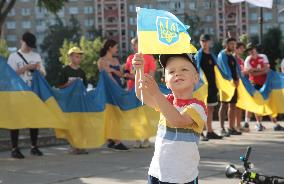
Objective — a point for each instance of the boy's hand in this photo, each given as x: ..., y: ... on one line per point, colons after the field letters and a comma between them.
x: 150, y: 85
x: 138, y: 61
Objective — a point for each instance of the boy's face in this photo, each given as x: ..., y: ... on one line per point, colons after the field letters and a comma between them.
x: 241, y: 50
x: 75, y: 58
x: 205, y: 44
x: 231, y: 45
x: 180, y: 75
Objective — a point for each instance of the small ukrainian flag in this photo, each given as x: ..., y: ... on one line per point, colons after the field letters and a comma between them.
x: 160, y: 32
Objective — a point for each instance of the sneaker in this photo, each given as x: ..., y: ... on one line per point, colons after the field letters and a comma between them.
x: 35, y: 151
x: 77, y: 151
x: 138, y: 144
x: 203, y: 138
x: 278, y: 128
x: 111, y: 144
x: 224, y: 133
x: 246, y: 125
x: 121, y: 147
x: 234, y: 132
x: 213, y: 135
x: 16, y: 153
x: 259, y: 127
x: 146, y: 144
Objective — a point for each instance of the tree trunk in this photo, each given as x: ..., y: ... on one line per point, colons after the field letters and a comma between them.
x: 4, y: 10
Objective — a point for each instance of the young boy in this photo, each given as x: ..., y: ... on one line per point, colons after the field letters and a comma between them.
x: 176, y: 155
x: 69, y: 74
x: 72, y: 71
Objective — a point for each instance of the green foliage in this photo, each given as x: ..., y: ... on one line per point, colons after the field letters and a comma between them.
x: 271, y: 45
x: 53, y: 41
x: 4, y: 52
x: 194, y: 21
x: 52, y: 6
x: 91, y: 55
x: 244, y: 39
x: 217, y: 47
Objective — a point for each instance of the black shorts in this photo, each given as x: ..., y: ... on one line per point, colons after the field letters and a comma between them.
x: 257, y: 86
x: 212, y: 98
x: 234, y: 99
x: 153, y: 180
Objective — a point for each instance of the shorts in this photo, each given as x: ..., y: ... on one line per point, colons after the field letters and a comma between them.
x: 257, y: 86
x: 153, y: 180
x: 234, y: 99
x: 212, y: 98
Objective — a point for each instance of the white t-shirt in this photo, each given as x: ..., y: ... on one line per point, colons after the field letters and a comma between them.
x: 282, y: 66
x: 176, y: 157
x: 16, y: 62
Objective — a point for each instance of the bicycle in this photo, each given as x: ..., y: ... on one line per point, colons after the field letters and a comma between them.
x: 248, y: 176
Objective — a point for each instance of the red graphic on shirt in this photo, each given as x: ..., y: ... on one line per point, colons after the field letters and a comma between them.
x: 257, y: 63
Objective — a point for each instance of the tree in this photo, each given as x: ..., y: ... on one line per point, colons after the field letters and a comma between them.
x: 195, y: 24
x: 4, y: 52
x: 272, y: 44
x: 53, y: 41
x: 6, y: 6
x: 91, y: 50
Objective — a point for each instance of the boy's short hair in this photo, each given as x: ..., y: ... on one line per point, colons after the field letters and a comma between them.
x: 240, y: 44
x: 163, y: 59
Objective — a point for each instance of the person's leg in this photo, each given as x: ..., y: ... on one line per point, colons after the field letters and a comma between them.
x: 231, y: 115
x: 34, y: 138
x: 277, y: 126
x: 259, y: 126
x: 222, y: 114
x: 239, y: 113
x: 15, y: 153
x: 209, y: 118
x: 14, y: 134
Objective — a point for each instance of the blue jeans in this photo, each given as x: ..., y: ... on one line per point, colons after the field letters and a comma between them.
x: 153, y: 180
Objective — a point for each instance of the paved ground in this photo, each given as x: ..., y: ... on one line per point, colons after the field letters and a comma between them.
x: 104, y: 166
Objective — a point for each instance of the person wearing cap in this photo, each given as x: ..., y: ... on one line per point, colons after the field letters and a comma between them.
x: 228, y: 65
x: 72, y: 71
x: 176, y: 156
x: 24, y: 62
x: 257, y: 66
x: 149, y: 67
x: 206, y: 61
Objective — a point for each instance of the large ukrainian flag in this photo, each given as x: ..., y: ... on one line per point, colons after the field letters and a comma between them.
x: 160, y: 32
x: 20, y: 107
x: 266, y: 101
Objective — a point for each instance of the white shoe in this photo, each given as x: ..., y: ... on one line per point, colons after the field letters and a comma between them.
x: 146, y: 143
x: 138, y: 144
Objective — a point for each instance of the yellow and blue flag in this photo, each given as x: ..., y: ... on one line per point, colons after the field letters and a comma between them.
x: 161, y: 32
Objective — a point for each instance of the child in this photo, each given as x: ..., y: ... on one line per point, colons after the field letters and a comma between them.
x: 72, y: 71
x: 69, y: 74
x: 176, y: 155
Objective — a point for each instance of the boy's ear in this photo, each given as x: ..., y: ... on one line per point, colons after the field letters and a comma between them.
x: 196, y: 78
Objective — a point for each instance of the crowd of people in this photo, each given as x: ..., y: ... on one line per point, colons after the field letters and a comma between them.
x: 255, y: 66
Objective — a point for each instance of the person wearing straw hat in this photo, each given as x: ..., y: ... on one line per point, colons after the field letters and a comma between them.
x: 71, y: 73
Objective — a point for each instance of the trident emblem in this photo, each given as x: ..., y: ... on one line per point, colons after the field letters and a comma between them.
x: 167, y: 30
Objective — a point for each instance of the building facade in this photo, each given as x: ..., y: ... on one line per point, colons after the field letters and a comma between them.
x: 116, y: 19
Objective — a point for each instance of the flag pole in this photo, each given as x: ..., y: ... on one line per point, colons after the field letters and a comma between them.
x: 260, y: 21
